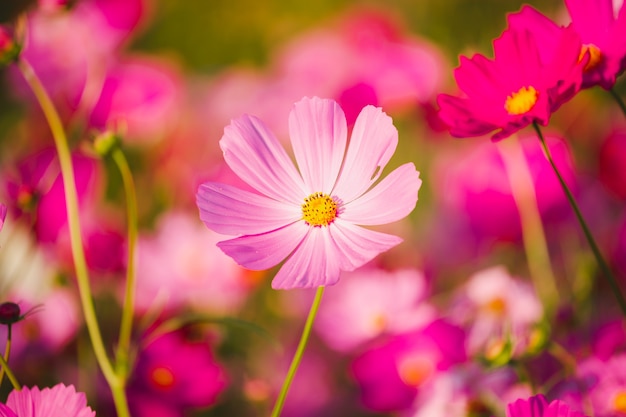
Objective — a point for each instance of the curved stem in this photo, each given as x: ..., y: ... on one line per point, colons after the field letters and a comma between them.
x: 123, y: 346
x: 295, y: 362
x: 7, y: 351
x: 606, y: 271
x: 78, y: 254
x: 618, y: 99
x: 10, y: 374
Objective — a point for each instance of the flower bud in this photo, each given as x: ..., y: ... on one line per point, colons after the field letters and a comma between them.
x: 10, y: 313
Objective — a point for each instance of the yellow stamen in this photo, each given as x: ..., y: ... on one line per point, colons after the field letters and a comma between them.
x: 319, y: 209
x: 521, y: 101
x: 496, y: 305
x: 595, y: 56
x: 415, y: 370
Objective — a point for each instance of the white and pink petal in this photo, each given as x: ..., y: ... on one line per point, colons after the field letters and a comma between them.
x: 373, y: 142
x: 252, y: 151
x: 318, y: 132
x: 263, y: 251
x: 390, y: 200
x: 231, y: 211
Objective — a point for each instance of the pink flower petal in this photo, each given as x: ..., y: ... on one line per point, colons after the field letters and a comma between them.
x: 318, y: 134
x: 373, y: 141
x: 6, y: 411
x: 390, y: 200
x: 256, y: 156
x: 231, y: 211
x: 354, y: 245
x: 314, y: 263
x: 3, y: 214
x: 263, y: 251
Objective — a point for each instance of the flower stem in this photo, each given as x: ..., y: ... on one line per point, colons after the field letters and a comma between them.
x: 7, y: 351
x: 295, y: 362
x: 10, y: 374
x: 535, y: 246
x: 606, y: 271
x: 619, y: 100
x: 78, y: 254
x: 123, y: 347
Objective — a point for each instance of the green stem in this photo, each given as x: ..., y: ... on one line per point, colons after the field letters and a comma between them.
x: 123, y: 347
x: 78, y: 254
x: 619, y: 100
x: 7, y: 351
x: 10, y: 374
x: 606, y: 271
x: 295, y: 362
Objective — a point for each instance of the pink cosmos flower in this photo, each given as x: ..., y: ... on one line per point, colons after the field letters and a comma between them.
x: 58, y: 401
x: 538, y: 406
x: 313, y: 216
x: 514, y: 89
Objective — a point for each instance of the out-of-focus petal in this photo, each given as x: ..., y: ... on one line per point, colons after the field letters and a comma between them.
x: 263, y: 251
x: 390, y: 200
x: 256, y: 156
x: 231, y: 211
x: 373, y: 141
x: 314, y: 263
x: 318, y: 133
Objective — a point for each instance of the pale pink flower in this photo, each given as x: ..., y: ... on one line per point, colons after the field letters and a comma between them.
x: 313, y: 216
x: 3, y: 214
x: 372, y: 302
x: 58, y: 401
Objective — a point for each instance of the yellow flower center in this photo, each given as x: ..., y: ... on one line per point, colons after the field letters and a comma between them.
x: 319, y: 209
x: 595, y: 56
x: 619, y: 402
x: 162, y: 377
x: 496, y: 305
x: 415, y: 370
x: 521, y: 101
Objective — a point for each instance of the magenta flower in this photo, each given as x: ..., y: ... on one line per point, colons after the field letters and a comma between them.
x: 604, y: 36
x: 58, y: 401
x: 514, y: 89
x: 313, y: 216
x: 538, y: 406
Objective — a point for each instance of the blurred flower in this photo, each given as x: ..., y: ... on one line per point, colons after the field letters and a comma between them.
x: 514, y: 89
x: 312, y: 217
x: 9, y: 49
x: 58, y: 401
x: 473, y: 184
x: 141, y: 97
x: 603, y: 36
x: 538, y: 406
x: 612, y: 159
x: 191, y: 270
x: 494, y: 307
x: 175, y: 373
x: 371, y: 302
x: 391, y: 374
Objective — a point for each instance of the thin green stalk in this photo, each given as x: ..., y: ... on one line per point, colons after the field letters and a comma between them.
x: 10, y: 374
x: 619, y: 100
x: 7, y: 351
x: 295, y: 362
x: 606, y: 271
x: 78, y: 254
x: 534, y: 239
x: 123, y: 347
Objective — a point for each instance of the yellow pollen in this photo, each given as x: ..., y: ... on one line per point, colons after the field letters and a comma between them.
x: 319, y: 209
x: 521, y: 101
x: 415, y: 370
x: 619, y: 402
x: 595, y: 56
x: 162, y: 377
x: 496, y: 305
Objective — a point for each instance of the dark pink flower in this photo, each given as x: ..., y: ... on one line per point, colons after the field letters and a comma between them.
x: 538, y: 406
x: 175, y: 373
x: 514, y: 89
x: 58, y: 401
x: 391, y: 374
x: 3, y: 214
